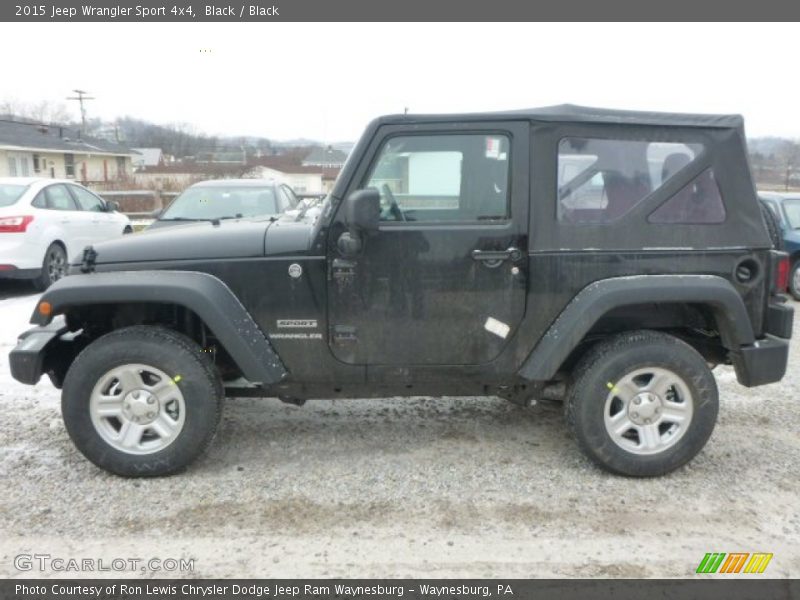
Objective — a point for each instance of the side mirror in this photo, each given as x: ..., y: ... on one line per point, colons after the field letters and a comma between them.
x: 362, y: 211
x: 362, y: 215
x: 112, y: 206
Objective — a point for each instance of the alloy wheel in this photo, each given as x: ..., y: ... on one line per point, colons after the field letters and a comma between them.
x: 648, y: 410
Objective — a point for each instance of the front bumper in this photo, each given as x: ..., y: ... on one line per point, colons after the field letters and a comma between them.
x: 27, y: 359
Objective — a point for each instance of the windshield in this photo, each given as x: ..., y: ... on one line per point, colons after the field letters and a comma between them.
x: 201, y: 203
x: 792, y: 208
x: 10, y: 193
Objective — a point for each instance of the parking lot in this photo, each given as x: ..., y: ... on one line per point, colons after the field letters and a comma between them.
x: 423, y: 487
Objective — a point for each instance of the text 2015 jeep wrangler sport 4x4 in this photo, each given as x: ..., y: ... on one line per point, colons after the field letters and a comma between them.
x: 606, y: 258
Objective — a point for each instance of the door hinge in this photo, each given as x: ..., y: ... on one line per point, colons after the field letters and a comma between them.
x: 343, y: 269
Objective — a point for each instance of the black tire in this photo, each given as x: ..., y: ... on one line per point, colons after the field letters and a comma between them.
x: 164, y: 349
x: 794, y: 280
x: 773, y: 226
x: 54, y: 267
x: 128, y: 229
x: 608, y: 363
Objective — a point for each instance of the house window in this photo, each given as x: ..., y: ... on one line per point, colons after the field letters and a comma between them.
x: 18, y: 165
x: 69, y: 165
x: 37, y: 163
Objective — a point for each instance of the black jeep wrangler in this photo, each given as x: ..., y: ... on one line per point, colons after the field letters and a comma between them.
x: 608, y: 259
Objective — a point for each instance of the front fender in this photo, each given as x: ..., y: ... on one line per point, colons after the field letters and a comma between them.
x: 207, y: 296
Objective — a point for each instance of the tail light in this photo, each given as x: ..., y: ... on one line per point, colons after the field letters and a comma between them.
x: 15, y: 224
x: 782, y: 274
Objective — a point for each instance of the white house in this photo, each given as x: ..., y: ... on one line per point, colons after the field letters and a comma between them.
x: 33, y: 149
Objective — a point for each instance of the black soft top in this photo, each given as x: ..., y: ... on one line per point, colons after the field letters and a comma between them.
x: 570, y: 113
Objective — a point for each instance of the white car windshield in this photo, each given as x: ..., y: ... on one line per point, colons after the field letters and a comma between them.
x: 10, y: 193
x: 218, y: 202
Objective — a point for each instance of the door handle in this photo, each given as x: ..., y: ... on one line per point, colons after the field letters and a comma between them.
x: 497, y: 256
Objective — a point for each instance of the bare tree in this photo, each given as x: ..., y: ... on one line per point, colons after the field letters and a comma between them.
x: 41, y: 112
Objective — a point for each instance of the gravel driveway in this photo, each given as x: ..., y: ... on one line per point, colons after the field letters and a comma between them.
x: 422, y: 487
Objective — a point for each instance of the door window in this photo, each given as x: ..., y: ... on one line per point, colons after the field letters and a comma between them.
x: 59, y: 198
x: 440, y: 178
x: 87, y: 200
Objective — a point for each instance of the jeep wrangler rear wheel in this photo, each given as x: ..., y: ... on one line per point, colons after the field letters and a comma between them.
x: 642, y: 403
x: 142, y: 401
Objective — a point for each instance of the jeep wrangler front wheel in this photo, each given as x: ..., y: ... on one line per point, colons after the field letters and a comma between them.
x: 142, y: 401
x: 642, y: 403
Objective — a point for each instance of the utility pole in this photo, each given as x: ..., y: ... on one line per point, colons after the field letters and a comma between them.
x: 80, y: 98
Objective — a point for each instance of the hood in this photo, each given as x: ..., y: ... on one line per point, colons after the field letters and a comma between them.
x: 193, y: 241
x: 240, y: 238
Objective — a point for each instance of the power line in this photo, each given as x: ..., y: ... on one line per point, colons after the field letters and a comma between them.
x: 80, y: 98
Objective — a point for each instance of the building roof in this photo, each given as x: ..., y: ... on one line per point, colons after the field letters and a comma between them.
x: 196, y: 168
x: 325, y: 156
x: 570, y: 113
x: 149, y: 156
x: 285, y: 164
x: 237, y: 183
x: 288, y: 165
x: 54, y: 138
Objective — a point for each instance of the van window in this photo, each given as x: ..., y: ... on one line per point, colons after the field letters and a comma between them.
x: 600, y: 180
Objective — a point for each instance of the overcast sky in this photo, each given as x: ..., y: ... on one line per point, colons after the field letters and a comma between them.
x: 326, y: 81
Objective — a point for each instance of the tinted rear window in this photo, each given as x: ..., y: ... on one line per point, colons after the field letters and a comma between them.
x: 10, y: 193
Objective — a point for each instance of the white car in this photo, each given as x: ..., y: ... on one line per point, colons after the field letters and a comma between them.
x: 45, y: 223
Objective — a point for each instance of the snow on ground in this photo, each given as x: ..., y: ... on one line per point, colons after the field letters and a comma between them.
x: 421, y: 487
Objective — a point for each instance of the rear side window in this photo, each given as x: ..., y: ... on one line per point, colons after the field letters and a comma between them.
x: 600, y: 180
x: 443, y: 177
x: 697, y: 203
